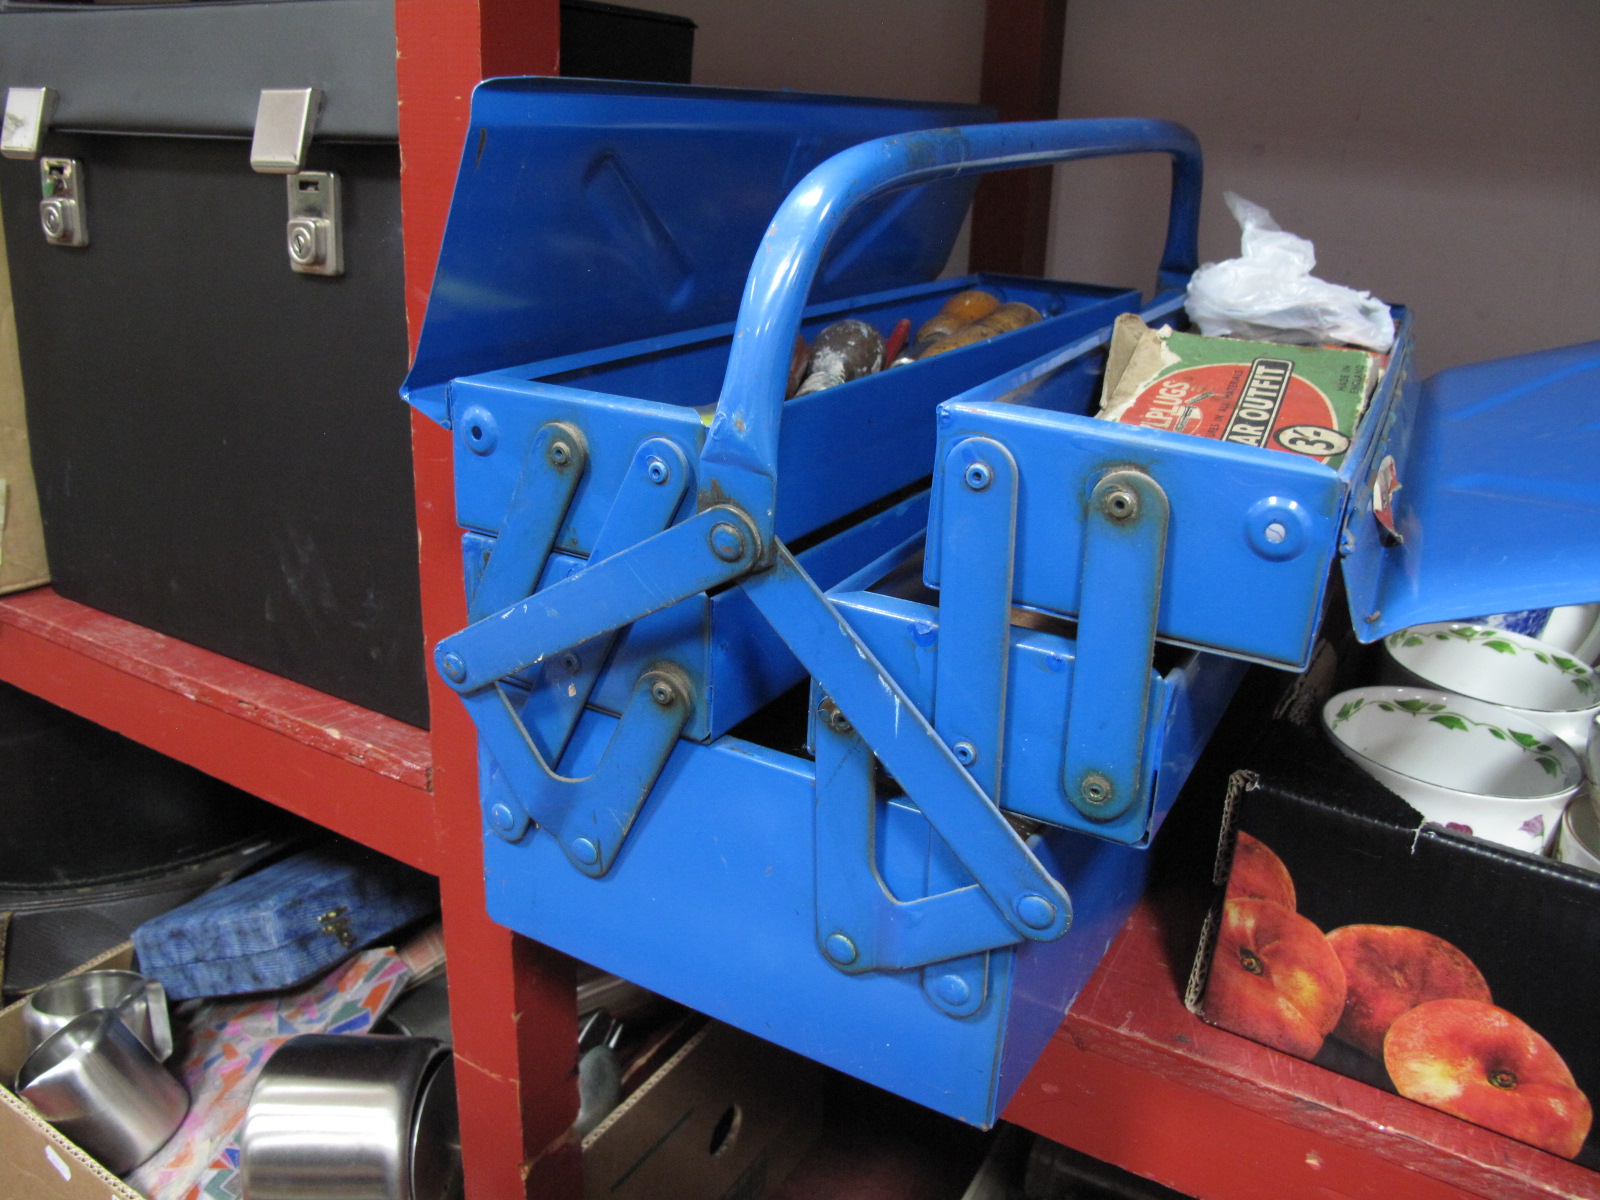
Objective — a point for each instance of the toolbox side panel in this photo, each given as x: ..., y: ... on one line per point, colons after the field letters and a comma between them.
x: 1105, y: 881
x: 711, y: 902
x: 904, y: 637
x: 497, y: 420
x: 841, y: 449
x: 1251, y: 537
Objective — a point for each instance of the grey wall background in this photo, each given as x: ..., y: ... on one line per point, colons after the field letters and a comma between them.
x: 912, y: 49
x: 1440, y: 153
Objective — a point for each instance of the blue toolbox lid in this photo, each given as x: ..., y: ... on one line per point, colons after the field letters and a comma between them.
x: 591, y: 212
x: 1498, y: 500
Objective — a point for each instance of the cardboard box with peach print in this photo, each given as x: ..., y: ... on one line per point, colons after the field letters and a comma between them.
x: 1452, y: 971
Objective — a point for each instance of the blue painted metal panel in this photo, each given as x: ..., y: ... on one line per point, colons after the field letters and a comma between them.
x: 587, y: 207
x: 1222, y: 497
x: 1267, y: 522
x: 512, y: 413
x: 842, y: 448
x: 710, y: 902
x: 1497, y: 469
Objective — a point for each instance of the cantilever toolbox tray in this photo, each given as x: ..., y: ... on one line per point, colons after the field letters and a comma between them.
x: 1003, y: 607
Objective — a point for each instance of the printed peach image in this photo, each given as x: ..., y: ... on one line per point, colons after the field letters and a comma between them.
x: 1258, y: 873
x: 1484, y: 1065
x: 1274, y: 977
x: 1389, y: 969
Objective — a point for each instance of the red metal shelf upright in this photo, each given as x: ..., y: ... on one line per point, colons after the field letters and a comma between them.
x: 404, y: 792
x: 516, y: 1036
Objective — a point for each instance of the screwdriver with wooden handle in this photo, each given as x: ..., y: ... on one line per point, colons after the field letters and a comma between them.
x: 960, y: 310
x: 1004, y: 319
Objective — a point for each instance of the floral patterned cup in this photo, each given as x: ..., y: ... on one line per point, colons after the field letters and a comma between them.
x: 1532, y: 680
x: 1573, y: 628
x: 1463, y: 764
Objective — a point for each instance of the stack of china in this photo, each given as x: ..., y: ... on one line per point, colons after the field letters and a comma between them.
x: 1480, y: 728
x: 97, y: 1044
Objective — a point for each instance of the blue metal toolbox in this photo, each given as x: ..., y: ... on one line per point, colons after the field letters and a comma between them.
x: 1005, y: 608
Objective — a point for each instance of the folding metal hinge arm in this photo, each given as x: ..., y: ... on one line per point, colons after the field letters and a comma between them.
x: 977, y: 486
x: 646, y: 500
x: 1032, y: 903
x: 1124, y: 548
x: 589, y: 817
x: 555, y: 461
x: 710, y: 548
x: 861, y: 926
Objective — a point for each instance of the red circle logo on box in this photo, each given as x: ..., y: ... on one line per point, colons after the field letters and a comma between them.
x: 1260, y: 403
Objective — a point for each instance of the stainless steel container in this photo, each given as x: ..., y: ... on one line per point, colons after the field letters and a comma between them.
x: 94, y: 1080
x: 140, y: 1003
x: 352, y: 1118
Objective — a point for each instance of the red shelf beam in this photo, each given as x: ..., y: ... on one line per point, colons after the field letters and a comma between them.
x: 358, y: 773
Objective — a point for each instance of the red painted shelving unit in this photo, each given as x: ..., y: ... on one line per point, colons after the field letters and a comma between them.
x: 1131, y: 1077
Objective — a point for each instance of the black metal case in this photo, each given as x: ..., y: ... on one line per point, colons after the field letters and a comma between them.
x: 219, y: 449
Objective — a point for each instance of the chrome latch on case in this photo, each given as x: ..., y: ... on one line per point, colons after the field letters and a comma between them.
x: 28, y: 114
x: 313, y: 235
x: 285, y: 120
x: 62, y: 214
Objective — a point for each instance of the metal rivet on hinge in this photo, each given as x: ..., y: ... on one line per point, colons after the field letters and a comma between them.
x: 966, y: 753
x: 560, y: 454
x: 952, y: 990
x: 978, y: 476
x: 570, y: 663
x: 1036, y: 912
x: 661, y: 692
x: 452, y: 666
x: 657, y: 470
x: 1096, y: 788
x: 840, y: 949
x: 585, y: 851
x: 502, y: 818
x: 835, y: 719
x: 1120, y: 504
x: 727, y: 542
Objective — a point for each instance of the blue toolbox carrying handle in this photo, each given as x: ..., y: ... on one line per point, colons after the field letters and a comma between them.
x: 740, y: 455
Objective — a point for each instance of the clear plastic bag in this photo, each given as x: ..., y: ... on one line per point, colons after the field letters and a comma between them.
x: 1268, y: 294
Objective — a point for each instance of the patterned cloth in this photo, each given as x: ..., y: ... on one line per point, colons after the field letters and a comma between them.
x: 228, y: 1043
